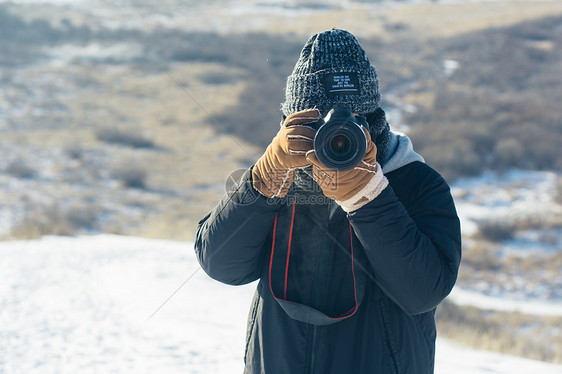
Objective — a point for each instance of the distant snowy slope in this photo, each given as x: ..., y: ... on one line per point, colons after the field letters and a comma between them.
x: 500, y: 195
x: 505, y: 304
x: 82, y: 305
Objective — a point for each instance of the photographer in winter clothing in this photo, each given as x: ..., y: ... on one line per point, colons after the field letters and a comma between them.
x: 351, y: 263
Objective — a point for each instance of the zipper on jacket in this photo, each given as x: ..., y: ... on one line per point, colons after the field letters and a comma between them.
x: 387, y: 341
x: 321, y: 278
x: 314, y: 338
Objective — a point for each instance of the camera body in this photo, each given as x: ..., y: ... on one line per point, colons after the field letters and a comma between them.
x: 340, y: 143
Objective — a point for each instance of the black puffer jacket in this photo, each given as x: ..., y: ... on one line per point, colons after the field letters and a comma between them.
x: 361, y: 288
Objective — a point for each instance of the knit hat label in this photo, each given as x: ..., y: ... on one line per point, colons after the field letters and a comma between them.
x: 344, y: 83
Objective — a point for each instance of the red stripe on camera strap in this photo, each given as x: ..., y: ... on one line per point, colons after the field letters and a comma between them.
x: 345, y: 315
x: 289, y: 251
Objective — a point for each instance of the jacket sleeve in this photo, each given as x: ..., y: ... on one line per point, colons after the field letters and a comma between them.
x: 230, y: 239
x: 411, y: 236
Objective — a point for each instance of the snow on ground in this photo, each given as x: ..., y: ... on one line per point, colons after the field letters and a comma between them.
x: 84, y: 305
x: 452, y: 358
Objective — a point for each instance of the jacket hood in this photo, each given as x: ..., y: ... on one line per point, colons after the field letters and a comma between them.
x: 400, y: 152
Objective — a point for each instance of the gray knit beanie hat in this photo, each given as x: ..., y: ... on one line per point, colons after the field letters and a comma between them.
x: 332, y: 69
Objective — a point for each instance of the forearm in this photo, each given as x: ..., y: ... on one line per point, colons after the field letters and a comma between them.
x: 414, y: 255
x: 230, y: 240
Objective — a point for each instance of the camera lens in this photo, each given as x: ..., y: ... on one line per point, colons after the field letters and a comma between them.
x: 340, y: 144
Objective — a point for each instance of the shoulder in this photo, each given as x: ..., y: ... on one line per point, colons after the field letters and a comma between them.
x: 417, y: 179
x: 416, y: 171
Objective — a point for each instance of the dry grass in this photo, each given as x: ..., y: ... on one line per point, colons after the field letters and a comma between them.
x: 54, y: 220
x: 445, y: 20
x: 558, y: 195
x: 426, y: 20
x: 511, y: 333
x: 176, y: 109
x: 189, y: 160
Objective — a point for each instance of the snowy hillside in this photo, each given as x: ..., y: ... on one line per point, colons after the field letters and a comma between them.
x: 522, y: 216
x: 84, y: 305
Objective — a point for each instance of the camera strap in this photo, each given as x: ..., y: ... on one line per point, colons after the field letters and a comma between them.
x: 305, y: 313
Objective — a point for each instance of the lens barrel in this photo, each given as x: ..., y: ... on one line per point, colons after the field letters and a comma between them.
x: 340, y: 143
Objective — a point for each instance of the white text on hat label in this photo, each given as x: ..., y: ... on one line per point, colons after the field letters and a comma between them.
x: 342, y: 83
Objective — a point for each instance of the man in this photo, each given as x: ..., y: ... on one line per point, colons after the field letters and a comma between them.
x: 351, y: 264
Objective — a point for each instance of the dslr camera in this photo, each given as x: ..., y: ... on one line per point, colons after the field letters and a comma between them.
x: 340, y: 143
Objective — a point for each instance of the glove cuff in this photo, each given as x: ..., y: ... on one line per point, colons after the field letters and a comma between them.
x: 367, y: 194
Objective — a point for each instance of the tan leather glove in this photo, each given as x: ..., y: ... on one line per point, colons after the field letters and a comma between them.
x: 274, y: 172
x: 354, y: 188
